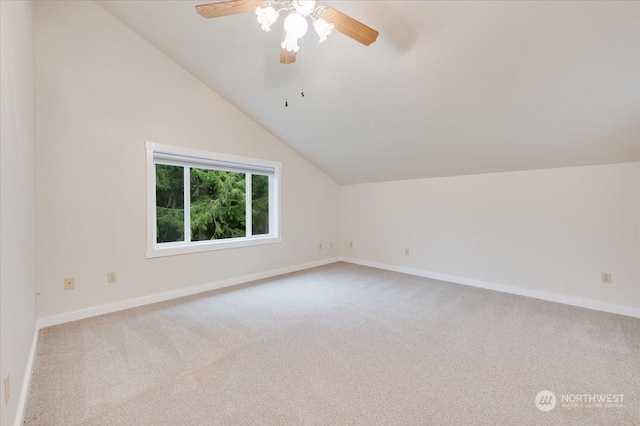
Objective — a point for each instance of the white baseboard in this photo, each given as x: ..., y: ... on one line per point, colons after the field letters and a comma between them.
x: 536, y: 294
x: 26, y: 382
x: 174, y: 294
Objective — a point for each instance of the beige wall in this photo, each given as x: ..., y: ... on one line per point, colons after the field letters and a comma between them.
x: 102, y: 91
x: 550, y: 230
x: 17, y: 200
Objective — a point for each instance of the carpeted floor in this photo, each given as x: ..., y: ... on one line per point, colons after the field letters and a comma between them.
x: 340, y: 344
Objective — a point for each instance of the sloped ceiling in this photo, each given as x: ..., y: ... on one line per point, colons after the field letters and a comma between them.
x: 449, y: 88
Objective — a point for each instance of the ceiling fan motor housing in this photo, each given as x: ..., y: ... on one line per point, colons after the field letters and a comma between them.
x: 304, y: 7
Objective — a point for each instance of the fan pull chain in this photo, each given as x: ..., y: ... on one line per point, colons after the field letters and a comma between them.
x: 286, y: 79
x: 302, y: 60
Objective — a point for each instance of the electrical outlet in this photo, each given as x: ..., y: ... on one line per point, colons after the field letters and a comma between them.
x: 351, y: 244
x: 69, y: 283
x: 331, y: 244
x: 406, y: 252
x: 112, y: 277
x: 7, y: 389
x: 606, y: 278
x: 320, y: 246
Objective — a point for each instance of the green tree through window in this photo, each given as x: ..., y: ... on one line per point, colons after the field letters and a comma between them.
x: 260, y: 204
x: 201, y: 201
x: 169, y: 203
x: 217, y: 204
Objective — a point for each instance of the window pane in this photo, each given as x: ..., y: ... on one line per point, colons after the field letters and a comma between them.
x: 169, y: 203
x: 217, y: 205
x: 260, y: 204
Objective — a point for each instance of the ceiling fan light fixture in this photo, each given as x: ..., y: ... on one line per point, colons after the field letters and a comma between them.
x: 266, y: 17
x: 295, y: 25
x: 323, y: 28
x: 324, y: 19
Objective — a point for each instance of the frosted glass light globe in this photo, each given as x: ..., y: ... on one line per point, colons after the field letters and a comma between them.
x: 266, y: 17
x: 295, y: 25
x: 290, y: 44
x: 323, y: 28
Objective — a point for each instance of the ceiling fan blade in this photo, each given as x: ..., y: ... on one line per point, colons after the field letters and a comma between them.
x: 231, y: 7
x: 287, y: 57
x: 349, y: 26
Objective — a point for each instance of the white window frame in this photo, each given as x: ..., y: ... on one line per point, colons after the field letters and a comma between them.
x: 155, y: 249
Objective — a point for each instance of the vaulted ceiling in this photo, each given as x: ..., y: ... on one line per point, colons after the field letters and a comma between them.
x: 449, y: 88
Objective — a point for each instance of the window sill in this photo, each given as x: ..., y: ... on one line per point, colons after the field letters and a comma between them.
x: 202, y: 246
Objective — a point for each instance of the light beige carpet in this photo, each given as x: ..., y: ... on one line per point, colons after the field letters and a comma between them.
x: 340, y: 344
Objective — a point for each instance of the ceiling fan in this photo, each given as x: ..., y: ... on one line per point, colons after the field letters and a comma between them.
x: 324, y: 19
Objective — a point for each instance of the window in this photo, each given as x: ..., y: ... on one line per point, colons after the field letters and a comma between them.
x: 199, y: 201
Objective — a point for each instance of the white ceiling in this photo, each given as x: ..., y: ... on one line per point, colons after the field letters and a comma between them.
x: 449, y: 88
